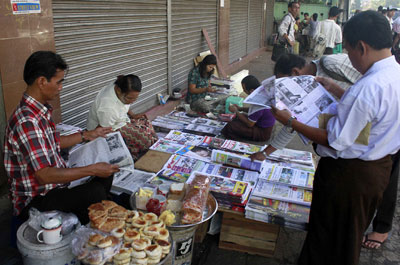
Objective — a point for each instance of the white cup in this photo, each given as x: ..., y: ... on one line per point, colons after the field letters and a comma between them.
x: 51, y: 231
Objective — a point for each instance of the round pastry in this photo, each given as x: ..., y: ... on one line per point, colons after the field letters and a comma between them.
x: 150, y: 217
x: 165, y: 245
x: 83, y: 254
x: 105, y: 242
x: 163, y: 234
x: 122, y: 262
x: 127, y: 245
x: 139, y: 223
x: 138, y: 254
x: 141, y: 214
x: 95, y: 257
x: 131, y: 234
x: 132, y: 215
x: 159, y: 224
x: 147, y: 240
x: 151, y: 231
x: 139, y: 261
x: 123, y: 254
x: 151, y: 261
x: 114, y: 240
x: 143, y: 235
x: 139, y: 244
x: 93, y: 239
x: 118, y: 232
x: 153, y: 251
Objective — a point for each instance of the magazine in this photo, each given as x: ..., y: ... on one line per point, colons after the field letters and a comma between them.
x: 278, y: 212
x: 173, y: 175
x: 212, y: 142
x: 166, y: 146
x: 128, y: 182
x: 242, y: 147
x: 233, y: 190
x: 183, y: 138
x: 198, y: 152
x: 235, y: 160
x: 184, y: 164
x: 202, y: 129
x: 248, y: 176
x: 266, y: 189
x: 288, y: 176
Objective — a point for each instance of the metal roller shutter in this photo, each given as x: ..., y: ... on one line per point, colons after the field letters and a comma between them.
x: 188, y: 18
x: 103, y: 39
x: 238, y: 29
x: 254, y: 25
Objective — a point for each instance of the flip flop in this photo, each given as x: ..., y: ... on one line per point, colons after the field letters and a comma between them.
x: 373, y: 241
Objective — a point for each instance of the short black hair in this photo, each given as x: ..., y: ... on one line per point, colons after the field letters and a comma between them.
x: 250, y: 82
x: 315, y: 16
x: 208, y: 60
x: 43, y: 63
x: 291, y: 3
x: 306, y: 14
x: 128, y: 83
x: 287, y: 62
x: 370, y: 27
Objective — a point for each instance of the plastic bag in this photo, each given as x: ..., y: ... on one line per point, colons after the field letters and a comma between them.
x: 89, y: 253
x: 195, y: 199
x: 69, y: 220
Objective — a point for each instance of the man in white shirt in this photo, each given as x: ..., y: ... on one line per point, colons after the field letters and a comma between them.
x: 286, y: 28
x: 389, y: 15
x: 355, y: 146
x: 331, y: 30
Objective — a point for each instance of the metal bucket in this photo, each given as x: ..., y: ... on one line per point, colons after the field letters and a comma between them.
x: 35, y: 253
x: 184, y: 243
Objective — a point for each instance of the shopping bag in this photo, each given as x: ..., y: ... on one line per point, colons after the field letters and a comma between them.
x: 278, y: 50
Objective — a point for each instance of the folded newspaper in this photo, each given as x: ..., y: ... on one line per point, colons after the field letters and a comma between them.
x: 111, y: 149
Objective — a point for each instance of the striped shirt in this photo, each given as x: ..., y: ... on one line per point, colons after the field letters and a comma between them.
x: 31, y: 143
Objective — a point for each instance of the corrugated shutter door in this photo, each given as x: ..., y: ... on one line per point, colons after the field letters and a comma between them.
x: 188, y: 19
x: 255, y: 25
x: 103, y: 39
x: 238, y: 29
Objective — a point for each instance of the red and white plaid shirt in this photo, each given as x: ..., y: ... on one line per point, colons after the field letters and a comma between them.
x: 31, y: 143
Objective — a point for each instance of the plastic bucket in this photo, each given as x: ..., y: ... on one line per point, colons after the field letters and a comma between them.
x: 35, y: 253
x: 183, y: 239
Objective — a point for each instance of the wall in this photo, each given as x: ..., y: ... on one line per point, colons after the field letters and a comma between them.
x: 20, y: 35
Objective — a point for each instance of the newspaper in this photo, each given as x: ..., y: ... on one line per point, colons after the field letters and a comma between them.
x: 111, y: 150
x: 248, y: 176
x: 166, y: 146
x: 199, y: 128
x: 293, y: 156
x: 183, y: 138
x: 235, y: 160
x: 184, y: 164
x: 280, y: 192
x: 242, y: 147
x: 264, y: 95
x: 288, y: 176
x: 212, y: 142
x: 128, y: 182
x: 208, y: 122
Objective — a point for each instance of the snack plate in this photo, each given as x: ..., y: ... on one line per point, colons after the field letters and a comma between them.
x: 209, y: 210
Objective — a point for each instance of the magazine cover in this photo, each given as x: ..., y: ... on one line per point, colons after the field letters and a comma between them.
x: 248, y: 176
x: 183, y: 138
x: 197, y: 152
x: 212, y: 142
x: 166, y: 146
x: 184, y: 164
x: 236, y: 160
x: 173, y: 175
x: 288, y: 176
x: 293, y: 156
x: 242, y: 147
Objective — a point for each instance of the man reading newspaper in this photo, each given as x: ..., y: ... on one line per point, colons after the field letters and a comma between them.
x: 355, y: 144
x: 37, y: 174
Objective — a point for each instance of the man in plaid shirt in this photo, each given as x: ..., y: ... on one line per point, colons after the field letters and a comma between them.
x: 37, y: 175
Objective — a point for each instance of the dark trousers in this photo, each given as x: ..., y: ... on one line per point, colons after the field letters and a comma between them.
x: 345, y: 196
x: 237, y: 130
x: 382, y: 222
x: 75, y: 200
x: 328, y: 51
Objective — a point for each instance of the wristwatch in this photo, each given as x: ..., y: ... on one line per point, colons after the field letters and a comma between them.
x: 289, y: 123
x: 84, y: 140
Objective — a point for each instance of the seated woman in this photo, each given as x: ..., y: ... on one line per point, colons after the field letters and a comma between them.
x: 257, y: 125
x: 199, y: 85
x: 111, y: 108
